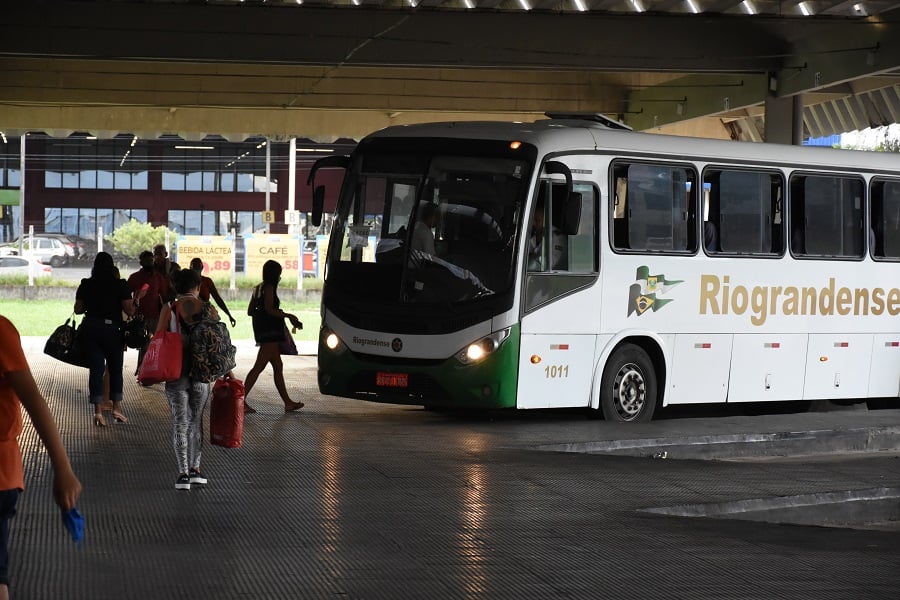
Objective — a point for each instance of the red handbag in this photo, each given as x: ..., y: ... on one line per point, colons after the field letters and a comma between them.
x: 162, y: 361
x: 226, y: 413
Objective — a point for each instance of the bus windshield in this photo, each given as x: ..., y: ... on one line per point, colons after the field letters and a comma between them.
x: 429, y: 227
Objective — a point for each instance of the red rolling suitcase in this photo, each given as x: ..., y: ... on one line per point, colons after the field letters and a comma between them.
x: 226, y: 413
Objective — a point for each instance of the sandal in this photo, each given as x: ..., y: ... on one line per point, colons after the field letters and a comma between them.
x: 248, y: 410
x: 119, y: 417
x: 99, y: 421
x: 293, y: 406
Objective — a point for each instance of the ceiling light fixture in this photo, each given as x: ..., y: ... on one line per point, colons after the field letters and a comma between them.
x: 469, y: 4
x: 524, y: 5
x: 693, y: 7
x: 194, y: 148
x: 748, y: 7
x: 579, y: 4
x: 3, y: 135
x: 804, y: 9
x: 638, y: 7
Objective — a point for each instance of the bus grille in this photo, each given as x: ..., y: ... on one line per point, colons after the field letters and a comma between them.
x: 399, y: 361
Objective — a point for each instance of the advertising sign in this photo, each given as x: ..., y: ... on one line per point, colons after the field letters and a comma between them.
x: 282, y: 248
x: 214, y: 250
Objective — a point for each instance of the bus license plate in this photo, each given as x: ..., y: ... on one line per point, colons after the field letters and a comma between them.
x: 392, y: 379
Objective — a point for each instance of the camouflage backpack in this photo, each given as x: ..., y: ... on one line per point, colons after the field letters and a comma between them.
x: 212, y: 353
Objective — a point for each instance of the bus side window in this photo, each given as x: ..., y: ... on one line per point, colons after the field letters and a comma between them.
x: 661, y: 211
x: 583, y: 240
x: 745, y: 212
x: 832, y: 215
x: 885, y: 220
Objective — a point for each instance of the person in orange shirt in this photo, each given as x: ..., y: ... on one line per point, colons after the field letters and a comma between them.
x: 18, y: 389
x: 148, y: 288
x: 208, y: 288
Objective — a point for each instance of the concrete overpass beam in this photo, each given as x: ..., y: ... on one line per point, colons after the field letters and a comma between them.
x: 784, y: 120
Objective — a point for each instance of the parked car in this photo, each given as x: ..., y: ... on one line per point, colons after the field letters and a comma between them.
x: 19, y: 265
x: 86, y: 248
x: 71, y: 242
x: 52, y: 249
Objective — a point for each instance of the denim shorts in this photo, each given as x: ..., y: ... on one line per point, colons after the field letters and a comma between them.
x: 8, y: 499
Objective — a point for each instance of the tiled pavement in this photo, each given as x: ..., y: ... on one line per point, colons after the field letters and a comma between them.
x: 356, y: 500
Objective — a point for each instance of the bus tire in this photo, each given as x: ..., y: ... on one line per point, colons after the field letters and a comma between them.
x: 628, y: 386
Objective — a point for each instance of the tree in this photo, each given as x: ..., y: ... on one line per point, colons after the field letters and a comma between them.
x: 134, y: 237
x: 890, y: 145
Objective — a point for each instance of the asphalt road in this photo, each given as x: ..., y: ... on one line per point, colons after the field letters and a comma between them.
x: 72, y: 273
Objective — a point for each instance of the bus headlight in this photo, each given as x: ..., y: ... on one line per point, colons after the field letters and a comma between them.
x: 479, y: 350
x: 331, y: 340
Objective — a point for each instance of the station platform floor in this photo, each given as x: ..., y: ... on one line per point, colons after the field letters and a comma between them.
x: 349, y: 499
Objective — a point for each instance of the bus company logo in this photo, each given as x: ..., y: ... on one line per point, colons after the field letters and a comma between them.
x: 396, y: 344
x: 642, y: 295
x: 370, y: 342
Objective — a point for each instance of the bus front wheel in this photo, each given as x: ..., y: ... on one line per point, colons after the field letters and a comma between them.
x: 628, y: 386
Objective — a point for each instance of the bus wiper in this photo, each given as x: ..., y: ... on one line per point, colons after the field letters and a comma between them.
x: 418, y: 258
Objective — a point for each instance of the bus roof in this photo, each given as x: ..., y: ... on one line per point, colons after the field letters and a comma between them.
x: 573, y: 133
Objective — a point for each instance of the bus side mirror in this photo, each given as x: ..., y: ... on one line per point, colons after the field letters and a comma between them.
x: 552, y: 167
x: 573, y: 213
x: 318, y: 205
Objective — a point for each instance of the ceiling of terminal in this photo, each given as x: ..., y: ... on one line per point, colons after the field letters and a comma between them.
x: 334, y: 69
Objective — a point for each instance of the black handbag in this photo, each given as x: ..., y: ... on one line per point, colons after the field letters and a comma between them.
x: 135, y: 332
x: 63, y: 344
x: 287, y: 346
x: 266, y: 327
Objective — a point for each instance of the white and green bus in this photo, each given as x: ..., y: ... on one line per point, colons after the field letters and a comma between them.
x: 668, y: 270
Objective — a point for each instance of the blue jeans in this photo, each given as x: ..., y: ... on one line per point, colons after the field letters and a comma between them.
x: 8, y: 499
x: 105, y: 346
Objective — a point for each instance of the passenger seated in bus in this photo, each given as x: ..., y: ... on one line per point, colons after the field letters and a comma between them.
x: 710, y: 236
x: 423, y: 236
x: 798, y: 243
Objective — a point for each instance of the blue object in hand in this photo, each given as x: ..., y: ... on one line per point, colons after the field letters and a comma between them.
x: 74, y: 522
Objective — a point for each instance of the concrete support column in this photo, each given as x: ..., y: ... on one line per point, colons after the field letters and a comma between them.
x: 784, y: 120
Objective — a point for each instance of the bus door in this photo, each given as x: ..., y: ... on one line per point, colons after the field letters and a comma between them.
x: 560, y: 300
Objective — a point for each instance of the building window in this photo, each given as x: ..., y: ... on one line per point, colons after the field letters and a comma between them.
x: 215, y: 222
x: 84, y: 222
x: 80, y: 163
